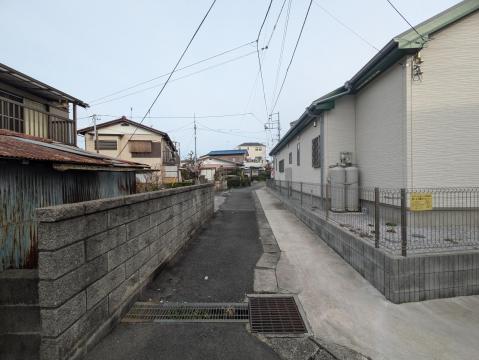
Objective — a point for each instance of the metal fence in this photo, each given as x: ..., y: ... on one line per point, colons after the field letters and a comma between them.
x: 400, y: 221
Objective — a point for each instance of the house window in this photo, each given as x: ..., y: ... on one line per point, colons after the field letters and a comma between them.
x: 316, y: 152
x: 298, y: 154
x: 281, y: 166
x: 144, y: 149
x: 290, y: 158
x: 140, y: 146
x: 105, y: 145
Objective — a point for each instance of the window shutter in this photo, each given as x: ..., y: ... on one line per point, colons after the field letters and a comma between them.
x: 140, y: 146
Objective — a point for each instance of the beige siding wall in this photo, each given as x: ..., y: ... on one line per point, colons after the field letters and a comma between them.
x: 443, y: 126
x: 155, y: 163
x: 305, y: 172
x: 339, y: 129
x: 380, y: 130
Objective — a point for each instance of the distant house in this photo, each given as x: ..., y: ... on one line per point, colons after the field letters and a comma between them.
x: 132, y: 141
x: 256, y: 152
x: 408, y: 118
x: 209, y: 166
x: 237, y: 156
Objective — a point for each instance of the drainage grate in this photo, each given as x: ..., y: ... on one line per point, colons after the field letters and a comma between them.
x: 188, y: 312
x: 275, y: 315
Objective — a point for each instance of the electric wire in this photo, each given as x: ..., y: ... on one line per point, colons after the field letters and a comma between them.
x: 171, y: 74
x: 176, y: 79
x: 164, y: 75
x: 346, y: 26
x: 259, y: 58
x: 275, y: 25
x: 283, y: 42
x: 180, y: 117
x: 292, y: 56
x: 404, y: 18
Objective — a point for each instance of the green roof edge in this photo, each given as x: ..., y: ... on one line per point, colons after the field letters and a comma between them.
x: 405, y: 43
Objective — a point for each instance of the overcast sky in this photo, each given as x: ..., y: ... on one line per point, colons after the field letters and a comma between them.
x: 91, y: 49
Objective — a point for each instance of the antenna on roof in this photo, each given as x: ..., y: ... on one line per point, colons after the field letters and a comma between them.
x: 131, y: 113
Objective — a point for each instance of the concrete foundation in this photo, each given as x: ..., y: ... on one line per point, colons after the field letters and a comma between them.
x: 399, y: 279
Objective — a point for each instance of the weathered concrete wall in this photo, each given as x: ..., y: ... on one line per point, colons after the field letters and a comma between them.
x: 96, y: 256
x: 399, y: 279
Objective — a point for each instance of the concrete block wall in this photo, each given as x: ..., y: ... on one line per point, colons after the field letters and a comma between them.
x: 399, y: 279
x: 96, y: 256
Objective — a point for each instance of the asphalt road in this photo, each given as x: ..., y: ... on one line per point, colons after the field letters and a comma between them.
x: 217, y: 266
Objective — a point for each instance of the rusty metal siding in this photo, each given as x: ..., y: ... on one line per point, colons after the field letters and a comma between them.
x: 23, y: 188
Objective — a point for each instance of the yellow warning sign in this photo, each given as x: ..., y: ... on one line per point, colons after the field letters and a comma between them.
x: 421, y: 201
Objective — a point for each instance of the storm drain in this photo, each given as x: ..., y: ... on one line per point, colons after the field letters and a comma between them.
x: 275, y: 315
x: 188, y: 312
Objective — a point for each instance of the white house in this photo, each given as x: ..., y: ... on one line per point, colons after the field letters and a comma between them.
x: 256, y: 152
x: 210, y: 165
x: 409, y: 117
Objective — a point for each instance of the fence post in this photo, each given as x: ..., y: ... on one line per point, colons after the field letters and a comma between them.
x: 326, y: 202
x: 301, y: 193
x: 403, y: 223
x: 376, y: 217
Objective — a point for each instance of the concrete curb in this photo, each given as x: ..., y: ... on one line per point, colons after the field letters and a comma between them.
x: 265, y: 281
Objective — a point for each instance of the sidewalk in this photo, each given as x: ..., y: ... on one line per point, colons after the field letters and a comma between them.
x: 342, y: 307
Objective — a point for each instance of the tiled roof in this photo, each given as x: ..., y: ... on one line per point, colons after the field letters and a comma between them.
x: 227, y: 152
x: 251, y: 144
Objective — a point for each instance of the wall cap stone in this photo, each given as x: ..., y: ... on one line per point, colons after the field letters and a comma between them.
x: 67, y: 211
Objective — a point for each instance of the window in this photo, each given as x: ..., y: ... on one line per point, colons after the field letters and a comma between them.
x: 316, y: 152
x: 106, y: 145
x: 281, y: 166
x: 145, y: 149
x: 298, y: 155
x: 10, y: 96
x: 140, y: 146
x: 290, y: 158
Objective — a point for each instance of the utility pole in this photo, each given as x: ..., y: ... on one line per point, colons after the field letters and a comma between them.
x: 95, y: 133
x: 274, y: 124
x: 194, y: 121
x: 177, y: 146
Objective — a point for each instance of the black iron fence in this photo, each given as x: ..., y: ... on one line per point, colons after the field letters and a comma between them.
x: 401, y: 221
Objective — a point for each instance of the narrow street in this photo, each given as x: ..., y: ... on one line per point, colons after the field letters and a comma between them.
x: 217, y: 266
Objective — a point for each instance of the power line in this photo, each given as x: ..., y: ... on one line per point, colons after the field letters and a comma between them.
x: 166, y: 74
x: 404, y: 18
x: 176, y: 79
x: 181, y: 117
x: 171, y: 74
x: 335, y: 18
x: 283, y: 42
x: 292, y: 56
x: 259, y: 58
x: 275, y: 24
x: 206, y: 128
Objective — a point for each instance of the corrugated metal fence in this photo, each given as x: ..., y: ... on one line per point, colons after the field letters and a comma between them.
x: 23, y: 188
